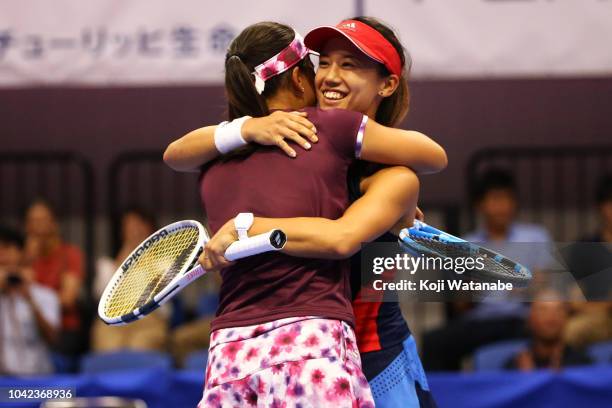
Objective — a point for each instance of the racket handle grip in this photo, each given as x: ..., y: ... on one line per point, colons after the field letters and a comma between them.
x: 273, y: 240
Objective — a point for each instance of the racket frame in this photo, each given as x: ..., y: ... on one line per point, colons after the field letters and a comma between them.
x: 423, y: 230
x: 190, y: 272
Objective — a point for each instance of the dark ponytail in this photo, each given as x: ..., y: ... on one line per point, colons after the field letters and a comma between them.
x: 242, y: 97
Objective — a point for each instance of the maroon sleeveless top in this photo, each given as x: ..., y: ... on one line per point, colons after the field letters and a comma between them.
x: 267, y: 183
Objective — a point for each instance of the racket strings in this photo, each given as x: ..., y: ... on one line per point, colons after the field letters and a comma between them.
x: 152, y: 271
x: 441, y: 249
x: 458, y: 250
x: 499, y: 267
x: 166, y: 278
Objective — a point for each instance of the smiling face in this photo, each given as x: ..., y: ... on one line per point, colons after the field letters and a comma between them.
x: 348, y: 79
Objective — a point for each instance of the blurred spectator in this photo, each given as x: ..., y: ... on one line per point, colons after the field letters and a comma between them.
x: 29, y: 313
x: 547, y: 321
x: 195, y: 335
x: 58, y: 266
x: 199, y: 302
x: 146, y: 334
x: 496, y: 201
x: 590, y: 262
x: 497, y: 317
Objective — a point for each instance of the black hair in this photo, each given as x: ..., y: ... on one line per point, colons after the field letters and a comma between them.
x: 604, y: 189
x: 493, y: 179
x: 254, y: 45
x: 43, y: 202
x: 11, y: 236
x: 141, y: 212
x: 391, y: 110
x: 395, y: 107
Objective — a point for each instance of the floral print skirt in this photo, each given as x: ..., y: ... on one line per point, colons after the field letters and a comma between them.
x: 297, y: 362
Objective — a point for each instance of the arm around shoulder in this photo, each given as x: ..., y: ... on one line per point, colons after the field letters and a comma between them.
x: 202, y: 145
x: 382, y: 144
x: 192, y: 150
x: 389, y: 194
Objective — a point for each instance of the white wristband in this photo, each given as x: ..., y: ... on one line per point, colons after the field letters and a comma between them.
x: 228, y: 135
x: 242, y: 223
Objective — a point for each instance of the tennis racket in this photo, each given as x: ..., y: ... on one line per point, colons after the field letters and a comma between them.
x: 431, y: 242
x: 163, y: 264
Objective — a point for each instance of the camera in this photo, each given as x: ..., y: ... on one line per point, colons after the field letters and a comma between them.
x: 13, y: 280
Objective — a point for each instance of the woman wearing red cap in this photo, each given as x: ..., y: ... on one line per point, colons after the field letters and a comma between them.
x: 304, y: 241
x: 388, y: 350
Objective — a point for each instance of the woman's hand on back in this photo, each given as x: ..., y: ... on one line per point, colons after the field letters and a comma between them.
x: 278, y: 127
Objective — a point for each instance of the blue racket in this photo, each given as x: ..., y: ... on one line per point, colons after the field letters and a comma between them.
x: 431, y: 242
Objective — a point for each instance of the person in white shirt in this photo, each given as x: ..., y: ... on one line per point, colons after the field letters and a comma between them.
x: 499, y: 316
x: 29, y: 313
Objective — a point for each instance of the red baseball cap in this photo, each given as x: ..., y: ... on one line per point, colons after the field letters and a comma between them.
x: 367, y: 39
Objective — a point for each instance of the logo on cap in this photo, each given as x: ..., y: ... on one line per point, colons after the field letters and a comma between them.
x: 350, y: 26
